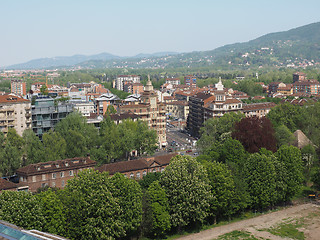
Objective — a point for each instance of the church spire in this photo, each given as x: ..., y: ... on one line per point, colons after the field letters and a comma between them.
x: 149, y: 86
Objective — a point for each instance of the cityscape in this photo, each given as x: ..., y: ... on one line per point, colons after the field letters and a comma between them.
x: 135, y: 121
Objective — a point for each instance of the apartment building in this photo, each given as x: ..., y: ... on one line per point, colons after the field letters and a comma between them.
x: 15, y: 112
x: 307, y: 87
x: 178, y: 109
x: 18, y: 87
x: 151, y: 110
x: 46, y: 114
x: 190, y: 80
x: 121, y: 80
x: 134, y: 88
x: 257, y: 109
x: 53, y: 173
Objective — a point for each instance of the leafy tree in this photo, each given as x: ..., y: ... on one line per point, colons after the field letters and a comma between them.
x: 290, y: 156
x: 158, y: 210
x: 53, y: 212
x: 188, y: 190
x: 148, y: 179
x: 55, y: 146
x: 44, y: 90
x: 33, y: 148
x: 92, y: 211
x: 224, y: 198
x: 283, y: 135
x: 214, y: 128
x: 110, y: 110
x: 310, y: 159
x: 22, y: 209
x: 129, y: 197
x: 255, y: 133
x: 10, y: 159
x: 14, y: 139
x: 260, y: 178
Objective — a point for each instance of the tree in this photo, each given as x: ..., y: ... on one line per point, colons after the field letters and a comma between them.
x: 129, y: 197
x: 92, y: 211
x: 224, y: 198
x: 55, y: 146
x: 260, y: 177
x: 283, y: 135
x: 33, y: 148
x: 22, y: 209
x: 148, y: 179
x: 188, y: 190
x: 290, y: 156
x: 10, y: 159
x: 255, y: 133
x: 214, y: 128
x: 159, y: 206
x: 53, y: 212
x: 310, y: 159
x: 44, y: 90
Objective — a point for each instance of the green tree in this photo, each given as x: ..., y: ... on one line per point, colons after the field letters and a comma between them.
x: 148, y: 179
x: 290, y: 156
x: 53, y: 212
x: 260, y: 177
x: 10, y: 159
x: 186, y: 184
x: 283, y: 135
x: 55, y: 146
x: 224, y: 201
x: 33, y: 148
x: 92, y: 211
x: 22, y: 209
x: 159, y: 207
x: 129, y: 197
x: 44, y: 90
x: 310, y: 160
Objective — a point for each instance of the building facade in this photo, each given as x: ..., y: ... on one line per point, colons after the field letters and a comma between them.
x: 151, y: 110
x: 52, y: 174
x: 121, y: 80
x: 46, y: 114
x: 15, y: 112
x: 18, y: 87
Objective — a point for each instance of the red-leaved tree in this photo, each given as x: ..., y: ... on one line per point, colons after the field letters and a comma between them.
x: 255, y: 133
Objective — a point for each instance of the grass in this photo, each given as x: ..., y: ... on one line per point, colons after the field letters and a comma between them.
x: 240, y: 235
x: 288, y: 229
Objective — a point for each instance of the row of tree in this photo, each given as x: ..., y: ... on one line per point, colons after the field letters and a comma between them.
x: 74, y: 137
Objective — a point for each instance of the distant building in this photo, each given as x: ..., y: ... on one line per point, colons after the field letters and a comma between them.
x: 15, y: 112
x: 85, y: 108
x: 102, y: 102
x: 46, y: 114
x: 151, y: 110
x: 54, y: 173
x: 190, y: 80
x: 308, y: 87
x: 134, y: 88
x: 257, y: 109
x: 178, y: 109
x: 121, y: 80
x: 139, y: 168
x: 299, y: 76
x: 173, y: 81
x: 18, y: 87
x: 118, y: 118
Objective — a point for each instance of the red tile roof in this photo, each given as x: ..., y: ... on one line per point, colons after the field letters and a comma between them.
x: 5, y: 184
x: 8, y: 98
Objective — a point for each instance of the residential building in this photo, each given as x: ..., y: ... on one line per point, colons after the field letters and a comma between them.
x: 139, y: 168
x: 151, y: 110
x: 173, y: 81
x: 46, y: 114
x: 196, y: 112
x: 178, y: 109
x: 134, y: 88
x: 84, y: 107
x: 102, y: 103
x: 15, y: 112
x: 190, y: 80
x: 18, y: 87
x: 53, y: 173
x: 121, y: 80
x: 257, y: 109
x: 118, y: 118
x: 299, y: 76
x: 280, y: 87
x: 308, y: 87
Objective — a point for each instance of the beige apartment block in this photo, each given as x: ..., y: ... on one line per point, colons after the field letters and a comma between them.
x: 15, y: 112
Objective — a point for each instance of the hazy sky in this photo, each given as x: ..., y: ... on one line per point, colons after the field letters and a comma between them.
x: 47, y: 28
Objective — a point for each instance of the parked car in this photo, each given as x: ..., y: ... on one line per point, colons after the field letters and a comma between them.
x: 189, y: 150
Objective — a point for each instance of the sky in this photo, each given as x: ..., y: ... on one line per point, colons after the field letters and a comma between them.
x: 32, y: 29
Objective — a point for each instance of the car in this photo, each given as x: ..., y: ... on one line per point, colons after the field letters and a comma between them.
x: 189, y: 150
x: 196, y: 154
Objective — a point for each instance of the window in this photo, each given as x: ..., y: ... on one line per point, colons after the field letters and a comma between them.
x: 131, y: 175
x: 54, y: 175
x: 43, y: 177
x: 71, y: 173
x: 43, y: 184
x: 53, y: 184
x: 34, y: 178
x: 61, y: 174
x: 138, y: 175
x: 62, y: 183
x: 144, y: 173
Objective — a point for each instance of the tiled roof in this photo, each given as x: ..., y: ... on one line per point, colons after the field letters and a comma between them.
x: 258, y: 106
x: 122, y: 116
x: 232, y: 100
x: 56, y: 166
x: 181, y: 103
x: 8, y: 98
x: 5, y: 184
x: 134, y: 165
